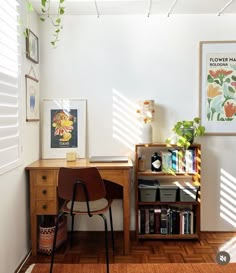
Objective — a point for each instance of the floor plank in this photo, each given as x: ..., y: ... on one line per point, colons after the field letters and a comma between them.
x: 88, y: 247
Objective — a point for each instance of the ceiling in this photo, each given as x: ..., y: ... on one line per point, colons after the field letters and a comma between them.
x: 148, y: 7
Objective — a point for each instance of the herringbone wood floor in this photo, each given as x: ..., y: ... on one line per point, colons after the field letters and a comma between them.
x: 88, y: 247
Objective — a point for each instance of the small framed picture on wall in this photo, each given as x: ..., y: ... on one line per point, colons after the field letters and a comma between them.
x: 32, y: 46
x: 32, y: 98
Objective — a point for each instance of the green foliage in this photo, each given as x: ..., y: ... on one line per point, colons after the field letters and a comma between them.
x: 185, y: 131
x: 56, y: 21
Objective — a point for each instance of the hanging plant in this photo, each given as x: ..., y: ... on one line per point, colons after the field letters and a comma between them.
x: 56, y: 21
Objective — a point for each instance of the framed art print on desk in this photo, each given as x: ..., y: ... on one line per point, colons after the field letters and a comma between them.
x: 64, y: 127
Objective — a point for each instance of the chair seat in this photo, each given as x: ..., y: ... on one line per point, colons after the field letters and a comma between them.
x: 96, y: 207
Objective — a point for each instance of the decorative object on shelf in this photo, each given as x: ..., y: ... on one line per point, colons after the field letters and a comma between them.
x: 146, y: 114
x: 32, y: 46
x: 218, y: 87
x: 32, y: 97
x: 156, y: 162
x: 64, y: 128
x: 185, y: 132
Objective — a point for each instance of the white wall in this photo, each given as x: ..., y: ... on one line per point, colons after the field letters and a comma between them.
x: 132, y: 58
x: 14, y: 188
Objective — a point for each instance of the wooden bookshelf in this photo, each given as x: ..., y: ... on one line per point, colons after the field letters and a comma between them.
x: 191, y: 207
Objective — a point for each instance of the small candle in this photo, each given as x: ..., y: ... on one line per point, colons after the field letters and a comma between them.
x: 71, y: 156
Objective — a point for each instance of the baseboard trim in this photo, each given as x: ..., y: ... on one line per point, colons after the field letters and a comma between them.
x: 23, y: 262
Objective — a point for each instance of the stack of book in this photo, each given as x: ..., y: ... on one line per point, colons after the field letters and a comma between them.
x: 165, y: 220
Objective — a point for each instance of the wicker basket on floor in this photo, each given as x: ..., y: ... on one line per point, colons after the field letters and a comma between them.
x: 46, y: 235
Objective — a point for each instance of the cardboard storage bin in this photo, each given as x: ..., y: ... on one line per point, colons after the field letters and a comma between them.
x: 168, y: 193
x: 148, y: 190
x: 188, y: 193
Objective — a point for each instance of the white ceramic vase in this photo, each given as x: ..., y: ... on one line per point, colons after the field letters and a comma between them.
x: 146, y: 135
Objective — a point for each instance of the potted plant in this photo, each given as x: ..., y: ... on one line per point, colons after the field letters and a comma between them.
x: 185, y: 132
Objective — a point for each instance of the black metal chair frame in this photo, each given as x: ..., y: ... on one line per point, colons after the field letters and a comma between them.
x: 60, y: 215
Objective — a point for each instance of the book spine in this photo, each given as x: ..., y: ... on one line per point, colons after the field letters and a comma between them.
x: 157, y: 220
x: 163, y: 227
x: 147, y: 229
x: 151, y: 221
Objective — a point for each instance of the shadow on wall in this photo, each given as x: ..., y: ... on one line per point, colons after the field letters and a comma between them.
x: 126, y: 127
x: 228, y: 197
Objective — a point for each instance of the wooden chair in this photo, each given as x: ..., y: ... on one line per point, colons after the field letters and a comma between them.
x: 84, y: 193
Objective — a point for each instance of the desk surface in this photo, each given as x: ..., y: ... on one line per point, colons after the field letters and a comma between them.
x: 79, y: 163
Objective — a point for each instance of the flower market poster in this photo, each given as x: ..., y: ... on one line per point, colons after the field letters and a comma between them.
x: 221, y: 87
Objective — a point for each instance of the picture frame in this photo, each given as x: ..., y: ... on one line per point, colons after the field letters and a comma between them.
x: 32, y: 98
x: 32, y: 46
x: 64, y: 128
x: 217, y: 87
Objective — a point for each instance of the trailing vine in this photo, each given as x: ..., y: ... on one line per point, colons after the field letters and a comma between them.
x: 56, y: 20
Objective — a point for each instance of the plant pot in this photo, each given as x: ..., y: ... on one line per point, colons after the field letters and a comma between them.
x: 188, y: 134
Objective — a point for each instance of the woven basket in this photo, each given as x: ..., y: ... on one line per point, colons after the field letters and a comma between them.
x: 46, y: 235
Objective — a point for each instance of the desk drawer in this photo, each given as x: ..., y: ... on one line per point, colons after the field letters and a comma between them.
x: 45, y: 193
x: 44, y: 177
x: 46, y: 207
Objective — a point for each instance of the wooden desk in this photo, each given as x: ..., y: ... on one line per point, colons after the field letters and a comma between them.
x: 43, y: 176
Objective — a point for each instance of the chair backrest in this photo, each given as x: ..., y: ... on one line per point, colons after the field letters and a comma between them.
x: 89, y: 176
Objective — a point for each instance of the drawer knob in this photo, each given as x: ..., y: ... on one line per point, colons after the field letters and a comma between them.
x: 44, y: 177
x: 44, y: 192
x: 44, y: 206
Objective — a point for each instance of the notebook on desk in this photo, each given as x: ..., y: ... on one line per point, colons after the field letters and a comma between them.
x: 108, y: 159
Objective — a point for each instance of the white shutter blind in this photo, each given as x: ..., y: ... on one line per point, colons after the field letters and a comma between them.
x: 10, y: 146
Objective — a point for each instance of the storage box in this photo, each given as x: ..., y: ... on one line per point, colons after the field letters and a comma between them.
x: 148, y: 190
x: 188, y: 193
x: 168, y: 193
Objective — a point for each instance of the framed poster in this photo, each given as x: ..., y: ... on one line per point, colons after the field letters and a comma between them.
x: 217, y: 93
x: 32, y: 98
x: 32, y: 46
x: 64, y: 127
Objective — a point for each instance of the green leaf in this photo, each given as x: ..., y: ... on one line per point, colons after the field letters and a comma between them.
x: 42, y: 19
x: 234, y: 78
x: 61, y: 10
x: 25, y: 33
x: 227, y: 80
x: 62, y: 1
x: 43, y: 2
x: 209, y: 79
x: 58, y: 20
x: 230, y: 88
x: 30, y: 7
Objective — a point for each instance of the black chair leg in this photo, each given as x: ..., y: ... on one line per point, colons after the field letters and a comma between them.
x: 106, y: 241
x: 54, y: 241
x: 72, y: 229
x: 112, y: 232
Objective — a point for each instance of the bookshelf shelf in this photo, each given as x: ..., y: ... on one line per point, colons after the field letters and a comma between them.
x: 165, y: 219
x: 169, y: 236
